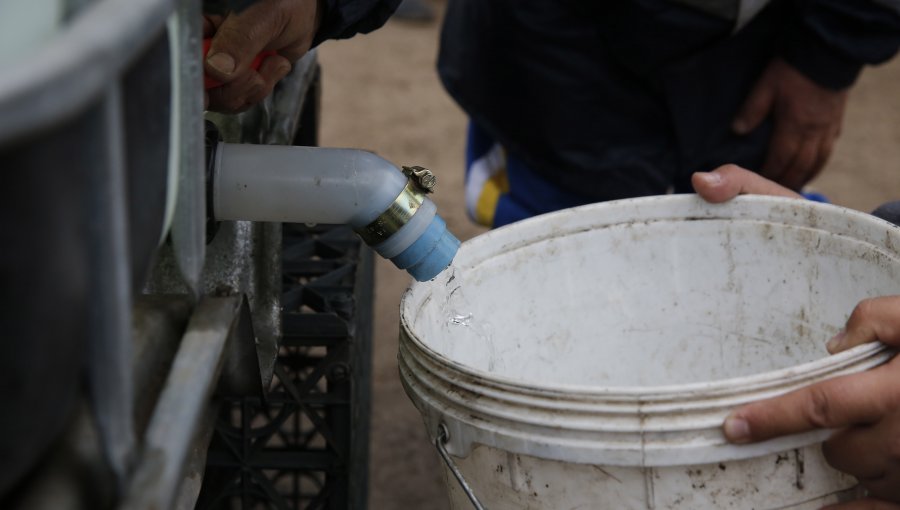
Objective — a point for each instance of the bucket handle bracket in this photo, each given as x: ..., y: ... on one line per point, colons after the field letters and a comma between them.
x: 440, y: 441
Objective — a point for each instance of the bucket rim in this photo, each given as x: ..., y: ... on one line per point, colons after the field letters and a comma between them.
x: 669, y: 208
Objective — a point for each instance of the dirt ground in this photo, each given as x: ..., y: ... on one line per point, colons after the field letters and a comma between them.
x: 381, y: 92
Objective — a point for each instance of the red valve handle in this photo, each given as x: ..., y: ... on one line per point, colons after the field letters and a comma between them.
x: 211, y: 83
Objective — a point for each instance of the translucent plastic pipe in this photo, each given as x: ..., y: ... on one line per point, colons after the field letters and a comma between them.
x: 333, y: 186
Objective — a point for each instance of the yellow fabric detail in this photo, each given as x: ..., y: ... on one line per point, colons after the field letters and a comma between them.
x: 494, y: 187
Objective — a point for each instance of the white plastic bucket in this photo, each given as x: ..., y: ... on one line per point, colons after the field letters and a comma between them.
x: 587, y: 358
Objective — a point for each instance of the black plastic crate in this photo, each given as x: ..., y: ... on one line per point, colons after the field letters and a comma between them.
x: 306, y: 445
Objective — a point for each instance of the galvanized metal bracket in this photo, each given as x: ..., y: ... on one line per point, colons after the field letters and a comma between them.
x: 188, y: 229
x: 182, y: 420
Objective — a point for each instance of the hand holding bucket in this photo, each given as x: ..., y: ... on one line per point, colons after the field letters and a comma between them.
x: 865, y: 407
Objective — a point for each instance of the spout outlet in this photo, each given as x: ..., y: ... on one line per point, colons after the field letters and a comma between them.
x: 389, y: 210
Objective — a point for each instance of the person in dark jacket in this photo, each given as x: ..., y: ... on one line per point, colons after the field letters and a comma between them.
x: 290, y: 28
x: 574, y: 102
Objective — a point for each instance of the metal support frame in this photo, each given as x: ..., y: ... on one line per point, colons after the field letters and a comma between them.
x: 67, y: 95
x: 176, y: 427
x: 77, y: 474
x: 188, y: 229
x: 150, y: 408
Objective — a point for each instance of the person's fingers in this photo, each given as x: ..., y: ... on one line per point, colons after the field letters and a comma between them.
x: 852, y: 399
x: 783, y: 147
x: 272, y: 70
x: 872, y: 319
x: 293, y: 52
x: 864, y: 504
x: 860, y: 451
x: 729, y: 181
x: 869, y: 454
x: 811, y: 158
x: 232, y: 97
x: 886, y: 488
x: 210, y: 23
x: 240, y: 37
x: 802, y: 166
x: 825, y: 150
x: 249, y: 88
x: 756, y: 107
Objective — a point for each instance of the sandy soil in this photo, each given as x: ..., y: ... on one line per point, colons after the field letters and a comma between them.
x: 381, y: 92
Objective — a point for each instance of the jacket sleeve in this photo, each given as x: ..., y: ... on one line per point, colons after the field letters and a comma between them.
x: 831, y: 40
x: 889, y: 212
x: 345, y: 18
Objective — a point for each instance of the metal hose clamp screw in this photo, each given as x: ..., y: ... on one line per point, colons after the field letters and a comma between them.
x: 422, y: 177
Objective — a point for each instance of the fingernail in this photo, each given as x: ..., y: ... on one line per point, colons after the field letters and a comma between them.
x: 737, y: 430
x: 222, y: 62
x: 740, y: 127
x: 836, y: 344
x: 711, y: 178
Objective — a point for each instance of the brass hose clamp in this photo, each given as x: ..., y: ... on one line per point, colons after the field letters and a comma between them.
x: 419, y: 182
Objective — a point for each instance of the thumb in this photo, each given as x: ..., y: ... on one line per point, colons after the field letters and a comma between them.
x: 239, y: 39
x: 873, y: 319
x: 729, y: 181
x: 755, y: 108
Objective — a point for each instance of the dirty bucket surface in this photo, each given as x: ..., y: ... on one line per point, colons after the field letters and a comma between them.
x: 621, y: 334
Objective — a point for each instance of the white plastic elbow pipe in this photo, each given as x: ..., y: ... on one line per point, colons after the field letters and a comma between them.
x: 335, y: 186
